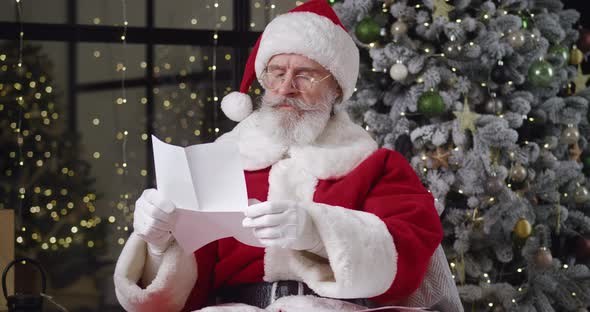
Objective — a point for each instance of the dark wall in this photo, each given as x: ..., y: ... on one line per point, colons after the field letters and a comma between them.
x: 582, y: 6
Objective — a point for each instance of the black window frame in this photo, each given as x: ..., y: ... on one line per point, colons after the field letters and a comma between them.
x: 240, y: 39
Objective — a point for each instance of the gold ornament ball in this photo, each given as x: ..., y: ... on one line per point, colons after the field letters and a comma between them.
x: 399, y: 28
x: 544, y: 258
x: 523, y: 228
x: 576, y: 56
x: 518, y: 173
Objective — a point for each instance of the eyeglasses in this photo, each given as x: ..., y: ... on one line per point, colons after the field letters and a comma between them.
x: 301, y: 83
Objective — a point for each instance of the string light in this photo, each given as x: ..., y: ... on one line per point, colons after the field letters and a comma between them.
x: 20, y: 101
x: 214, y: 67
x: 123, y: 100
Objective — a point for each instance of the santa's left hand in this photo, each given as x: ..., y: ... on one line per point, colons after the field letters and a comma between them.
x: 284, y: 224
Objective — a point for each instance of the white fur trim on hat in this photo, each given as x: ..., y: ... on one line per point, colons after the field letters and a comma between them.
x: 315, y: 37
x: 236, y: 106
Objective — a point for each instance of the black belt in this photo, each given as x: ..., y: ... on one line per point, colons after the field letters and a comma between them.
x: 261, y: 294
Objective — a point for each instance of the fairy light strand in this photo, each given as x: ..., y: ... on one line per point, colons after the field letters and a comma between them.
x: 124, y: 39
x: 122, y: 134
x: 20, y: 104
x: 21, y: 34
x: 214, y: 68
x: 123, y: 78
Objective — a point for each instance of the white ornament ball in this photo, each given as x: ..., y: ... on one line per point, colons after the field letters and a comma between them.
x: 398, y: 72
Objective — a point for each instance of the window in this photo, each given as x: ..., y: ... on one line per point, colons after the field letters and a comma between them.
x: 166, y: 78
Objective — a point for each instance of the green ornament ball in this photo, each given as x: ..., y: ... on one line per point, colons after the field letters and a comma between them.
x: 541, y: 73
x: 431, y: 104
x: 332, y: 2
x: 586, y: 161
x: 526, y: 22
x: 560, y: 52
x: 368, y: 30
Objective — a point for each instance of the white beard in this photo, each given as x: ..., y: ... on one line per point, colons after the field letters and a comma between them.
x: 299, y: 126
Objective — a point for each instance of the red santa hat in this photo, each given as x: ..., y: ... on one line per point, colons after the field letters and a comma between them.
x: 312, y: 30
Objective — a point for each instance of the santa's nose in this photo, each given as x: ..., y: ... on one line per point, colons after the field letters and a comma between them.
x: 286, y: 88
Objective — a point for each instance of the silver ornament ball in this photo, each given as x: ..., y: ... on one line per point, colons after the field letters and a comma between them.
x: 581, y: 195
x: 516, y: 39
x: 570, y: 135
x: 494, y: 185
x: 494, y: 106
x: 452, y: 50
x: 543, y: 258
x: 398, y: 72
x: 518, y: 173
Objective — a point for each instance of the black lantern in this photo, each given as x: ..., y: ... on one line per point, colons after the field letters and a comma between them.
x: 24, y: 302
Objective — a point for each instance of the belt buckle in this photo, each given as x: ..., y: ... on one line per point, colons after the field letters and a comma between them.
x: 275, y: 285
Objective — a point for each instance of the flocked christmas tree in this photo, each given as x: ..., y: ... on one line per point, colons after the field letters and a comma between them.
x: 488, y: 102
x: 42, y: 176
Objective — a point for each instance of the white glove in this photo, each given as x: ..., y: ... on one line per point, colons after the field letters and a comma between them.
x: 284, y: 224
x: 153, y: 220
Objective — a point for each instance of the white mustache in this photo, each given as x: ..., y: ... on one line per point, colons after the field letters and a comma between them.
x: 271, y: 101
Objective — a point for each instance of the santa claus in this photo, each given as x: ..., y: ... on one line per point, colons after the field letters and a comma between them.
x: 346, y: 225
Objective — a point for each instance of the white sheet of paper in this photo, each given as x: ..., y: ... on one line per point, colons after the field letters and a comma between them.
x: 207, y: 185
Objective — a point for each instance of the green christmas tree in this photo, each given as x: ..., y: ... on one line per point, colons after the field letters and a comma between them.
x: 488, y: 102
x: 42, y: 176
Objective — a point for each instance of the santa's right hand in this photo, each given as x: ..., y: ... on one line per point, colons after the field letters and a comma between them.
x: 153, y: 220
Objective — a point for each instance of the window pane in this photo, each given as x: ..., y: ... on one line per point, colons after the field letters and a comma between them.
x: 54, y: 179
x: 104, y: 62
x: 207, y: 14
x: 49, y: 54
x: 186, y: 109
x: 118, y: 165
x: 35, y: 11
x: 116, y: 159
x: 110, y: 12
x: 114, y: 143
x: 263, y: 11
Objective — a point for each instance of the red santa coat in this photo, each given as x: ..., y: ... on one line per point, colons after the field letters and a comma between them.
x: 376, y: 220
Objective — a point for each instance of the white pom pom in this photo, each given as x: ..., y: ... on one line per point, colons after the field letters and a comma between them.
x: 236, y: 106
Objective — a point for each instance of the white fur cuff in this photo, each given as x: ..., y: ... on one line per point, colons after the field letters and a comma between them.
x: 169, y: 289
x: 362, y: 256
